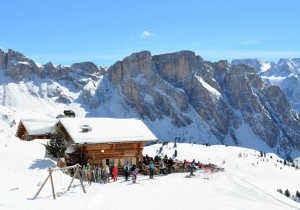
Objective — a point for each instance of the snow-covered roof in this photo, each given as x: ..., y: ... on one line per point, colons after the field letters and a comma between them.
x: 39, y: 126
x: 107, y: 130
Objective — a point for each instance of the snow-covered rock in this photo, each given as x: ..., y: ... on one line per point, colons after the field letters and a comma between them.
x: 284, y: 73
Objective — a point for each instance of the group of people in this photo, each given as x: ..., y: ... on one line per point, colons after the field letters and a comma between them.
x: 130, y: 170
x: 101, y: 175
x: 169, y: 162
x: 164, y: 163
x: 186, y: 166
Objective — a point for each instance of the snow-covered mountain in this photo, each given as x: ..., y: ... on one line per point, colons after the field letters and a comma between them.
x: 258, y: 64
x: 284, y: 73
x: 180, y: 96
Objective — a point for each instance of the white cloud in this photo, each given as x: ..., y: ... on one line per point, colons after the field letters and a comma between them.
x: 146, y: 34
x: 250, y: 42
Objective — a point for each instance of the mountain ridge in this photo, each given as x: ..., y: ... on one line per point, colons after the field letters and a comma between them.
x: 180, y: 96
x: 284, y: 73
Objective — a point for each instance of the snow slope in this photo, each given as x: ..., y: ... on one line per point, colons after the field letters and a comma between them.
x: 248, y: 182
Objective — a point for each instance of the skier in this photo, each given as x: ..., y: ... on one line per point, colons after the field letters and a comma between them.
x: 151, y: 167
x: 126, y: 170
x: 134, y: 174
x: 170, y: 165
x: 162, y: 167
x: 183, y: 165
x: 192, y: 167
x: 88, y: 172
x: 106, y: 173
x: 165, y: 159
x: 115, y: 172
x: 133, y: 168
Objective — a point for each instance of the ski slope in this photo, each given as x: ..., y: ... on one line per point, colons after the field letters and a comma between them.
x: 248, y: 182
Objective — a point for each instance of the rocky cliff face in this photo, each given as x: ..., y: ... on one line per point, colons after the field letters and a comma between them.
x: 284, y: 73
x: 63, y: 84
x: 19, y: 68
x: 224, y: 96
x: 255, y: 63
x: 2, y: 59
x: 179, y: 95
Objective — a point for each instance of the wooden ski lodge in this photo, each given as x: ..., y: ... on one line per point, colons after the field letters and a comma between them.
x: 30, y: 129
x: 101, y: 141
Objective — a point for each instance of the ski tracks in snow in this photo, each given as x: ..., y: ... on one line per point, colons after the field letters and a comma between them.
x: 242, y: 182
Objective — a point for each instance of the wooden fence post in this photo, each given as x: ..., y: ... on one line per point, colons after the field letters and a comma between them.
x: 53, y: 192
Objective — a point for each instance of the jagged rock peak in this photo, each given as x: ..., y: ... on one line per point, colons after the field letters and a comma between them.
x: 11, y: 54
x: 89, y: 67
x: 178, y: 66
x: 49, y: 65
x: 12, y: 57
x: 256, y: 63
x: 285, y: 67
x: 138, y: 56
x: 134, y: 64
x: 17, y: 66
x: 176, y: 55
x: 173, y: 67
x: 2, y: 60
x: 292, y: 64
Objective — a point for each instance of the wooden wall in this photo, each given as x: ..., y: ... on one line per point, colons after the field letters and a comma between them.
x: 21, y: 131
x: 23, y: 134
x: 97, y: 154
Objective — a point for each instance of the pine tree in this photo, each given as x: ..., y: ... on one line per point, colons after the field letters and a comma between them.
x: 57, y: 145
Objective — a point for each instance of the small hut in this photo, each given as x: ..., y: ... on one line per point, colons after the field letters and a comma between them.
x: 30, y: 129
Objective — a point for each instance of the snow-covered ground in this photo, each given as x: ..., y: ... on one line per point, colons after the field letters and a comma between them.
x: 248, y: 182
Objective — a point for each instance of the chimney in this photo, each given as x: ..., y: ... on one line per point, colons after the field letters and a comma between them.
x: 85, y: 128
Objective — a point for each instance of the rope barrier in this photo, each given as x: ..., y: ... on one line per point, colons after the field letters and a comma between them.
x: 76, y: 174
x: 66, y: 168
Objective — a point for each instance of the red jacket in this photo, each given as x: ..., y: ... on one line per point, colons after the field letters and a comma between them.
x: 115, y: 171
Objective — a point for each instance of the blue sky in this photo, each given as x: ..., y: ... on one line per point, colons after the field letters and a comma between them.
x: 69, y: 31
